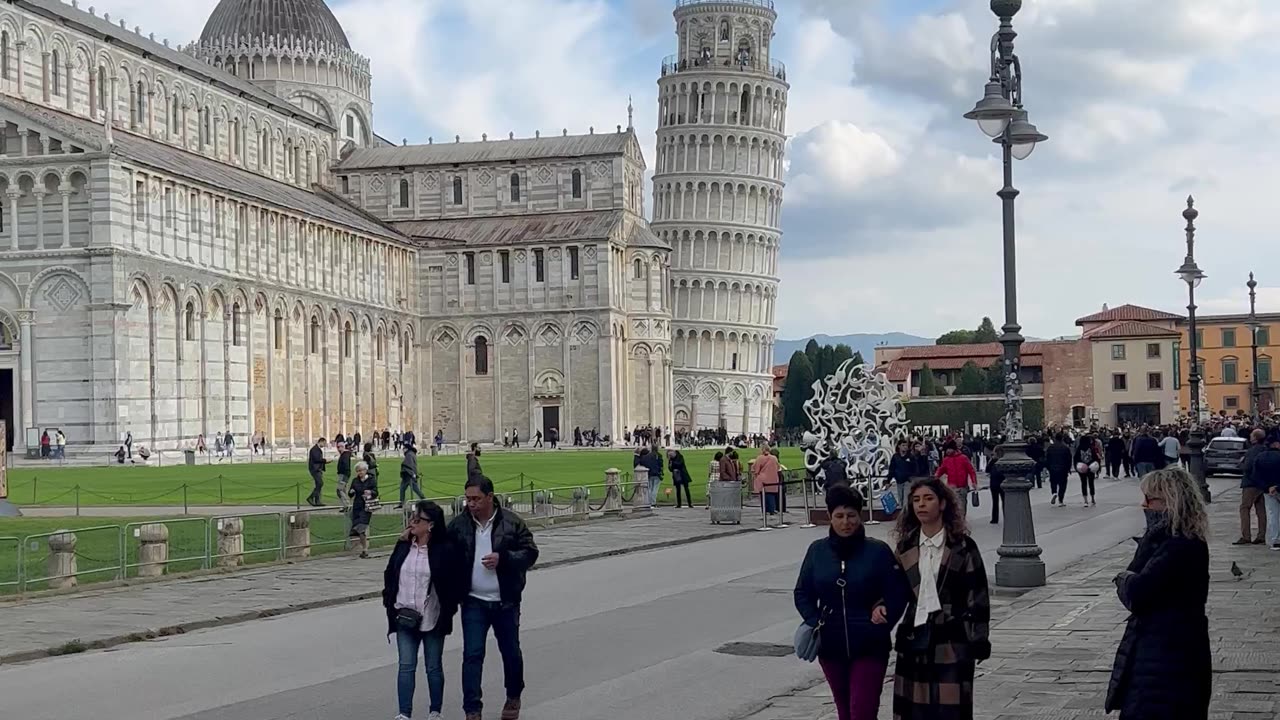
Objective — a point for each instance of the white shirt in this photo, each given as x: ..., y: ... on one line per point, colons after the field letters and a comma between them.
x: 930, y: 564
x: 416, y: 590
x: 1230, y: 431
x: 1170, y: 446
x: 484, y: 582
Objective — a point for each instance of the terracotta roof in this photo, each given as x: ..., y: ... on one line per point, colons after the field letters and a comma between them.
x: 1135, y: 313
x: 1128, y: 329
x: 780, y: 371
x: 983, y: 350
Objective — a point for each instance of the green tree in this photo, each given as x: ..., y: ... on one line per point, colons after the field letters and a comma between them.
x: 826, y: 362
x: 842, y: 352
x: 929, y: 386
x: 986, y: 332
x: 857, y: 359
x: 796, y: 390
x: 995, y: 378
x: 973, y: 381
x: 956, y: 337
x: 812, y: 348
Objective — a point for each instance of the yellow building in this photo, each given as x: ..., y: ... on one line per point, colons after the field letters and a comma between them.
x: 1226, y: 362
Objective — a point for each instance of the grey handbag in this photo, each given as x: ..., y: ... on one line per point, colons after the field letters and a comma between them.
x: 807, y: 641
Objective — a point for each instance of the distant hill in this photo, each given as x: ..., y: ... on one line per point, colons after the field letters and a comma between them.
x: 864, y: 343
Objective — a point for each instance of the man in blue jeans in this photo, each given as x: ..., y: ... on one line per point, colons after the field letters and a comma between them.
x: 495, y: 551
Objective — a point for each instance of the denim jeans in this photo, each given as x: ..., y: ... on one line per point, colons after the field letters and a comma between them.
x: 477, y: 617
x: 407, y: 642
x: 1273, y: 518
x: 654, y: 482
x: 408, y: 483
x: 1143, y: 468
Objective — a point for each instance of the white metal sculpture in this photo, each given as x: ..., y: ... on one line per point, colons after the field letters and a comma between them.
x: 858, y: 414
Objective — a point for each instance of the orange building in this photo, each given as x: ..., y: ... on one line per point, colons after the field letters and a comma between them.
x: 1226, y: 362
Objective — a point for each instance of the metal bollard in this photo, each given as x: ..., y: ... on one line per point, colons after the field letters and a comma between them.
x: 764, y: 516
x: 808, y: 514
x: 782, y: 504
x: 871, y: 507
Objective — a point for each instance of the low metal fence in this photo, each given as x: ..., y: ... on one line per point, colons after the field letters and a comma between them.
x: 46, y: 557
x: 186, y: 541
x: 10, y: 564
x: 261, y: 538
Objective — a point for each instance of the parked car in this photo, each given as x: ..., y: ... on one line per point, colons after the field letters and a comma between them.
x: 1224, y: 455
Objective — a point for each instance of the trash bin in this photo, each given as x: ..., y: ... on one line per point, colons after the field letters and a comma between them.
x: 434, y: 451
x: 724, y: 500
x: 190, y: 456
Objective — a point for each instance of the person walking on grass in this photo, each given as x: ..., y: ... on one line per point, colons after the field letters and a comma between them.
x: 1163, y: 666
x: 409, y: 475
x: 495, y: 551
x: 945, y: 630
x: 316, y: 463
x: 853, y: 590
x: 344, y: 474
x: 473, y: 462
x: 370, y: 458
x: 361, y: 494
x: 420, y: 595
x: 680, y: 477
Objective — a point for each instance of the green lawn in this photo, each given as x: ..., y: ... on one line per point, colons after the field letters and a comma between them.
x: 288, y: 483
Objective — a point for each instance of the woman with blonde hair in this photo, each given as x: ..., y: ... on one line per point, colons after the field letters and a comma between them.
x: 1163, y: 666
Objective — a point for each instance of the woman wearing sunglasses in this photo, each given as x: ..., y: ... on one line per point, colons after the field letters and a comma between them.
x: 418, y: 592
x: 1163, y: 666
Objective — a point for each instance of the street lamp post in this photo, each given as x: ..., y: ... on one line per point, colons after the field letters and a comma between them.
x: 1255, y: 389
x: 1001, y: 116
x: 1192, y: 275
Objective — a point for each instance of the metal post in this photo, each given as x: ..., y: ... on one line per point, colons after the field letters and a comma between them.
x: 782, y: 504
x: 186, y: 509
x: 764, y: 516
x: 871, y: 508
x: 1255, y: 388
x: 1192, y: 276
x: 808, y: 513
x: 77, y: 500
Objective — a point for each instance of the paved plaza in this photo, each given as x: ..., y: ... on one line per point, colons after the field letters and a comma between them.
x: 1052, y: 648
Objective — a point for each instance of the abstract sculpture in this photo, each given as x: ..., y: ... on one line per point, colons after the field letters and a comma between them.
x: 856, y: 413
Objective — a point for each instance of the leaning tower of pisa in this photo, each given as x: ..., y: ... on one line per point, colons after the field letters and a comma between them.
x: 717, y: 188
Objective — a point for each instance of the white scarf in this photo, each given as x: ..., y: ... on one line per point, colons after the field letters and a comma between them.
x: 930, y: 564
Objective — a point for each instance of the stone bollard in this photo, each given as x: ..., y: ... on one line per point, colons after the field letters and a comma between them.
x: 153, y: 549
x: 542, y: 504
x: 581, y: 508
x: 612, y: 493
x: 297, y: 539
x: 640, y: 501
x: 230, y: 542
x: 62, y: 560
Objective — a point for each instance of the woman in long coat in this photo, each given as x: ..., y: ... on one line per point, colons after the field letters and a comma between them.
x: 945, y: 631
x: 1164, y: 668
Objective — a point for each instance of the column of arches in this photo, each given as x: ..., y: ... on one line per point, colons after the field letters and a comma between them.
x: 721, y: 153
x: 752, y: 253
x: 731, y: 301
x: 748, y: 203
x: 761, y: 104
x: 722, y: 350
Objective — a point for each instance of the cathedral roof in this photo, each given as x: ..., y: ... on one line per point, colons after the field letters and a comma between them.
x: 166, y: 158
x: 245, y: 20
x: 545, y: 148
x: 518, y: 229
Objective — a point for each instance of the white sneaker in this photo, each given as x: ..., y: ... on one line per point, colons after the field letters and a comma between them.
x: 402, y: 716
x: 434, y: 716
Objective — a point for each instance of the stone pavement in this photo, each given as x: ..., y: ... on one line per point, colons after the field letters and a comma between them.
x: 1053, y: 647
x: 101, y: 618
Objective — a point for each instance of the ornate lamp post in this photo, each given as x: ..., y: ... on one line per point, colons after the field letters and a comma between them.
x: 1192, y: 275
x: 1001, y: 116
x: 1255, y: 390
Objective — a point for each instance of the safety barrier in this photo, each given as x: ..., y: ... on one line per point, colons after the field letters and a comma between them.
x: 160, y: 546
x: 10, y: 564
x: 65, y: 562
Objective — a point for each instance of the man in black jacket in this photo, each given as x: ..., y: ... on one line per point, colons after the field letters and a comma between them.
x: 1057, y: 460
x: 315, y: 466
x: 495, y: 551
x: 1147, y: 455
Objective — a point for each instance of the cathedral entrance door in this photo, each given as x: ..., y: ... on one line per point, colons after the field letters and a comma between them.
x: 550, y: 419
x: 8, y: 401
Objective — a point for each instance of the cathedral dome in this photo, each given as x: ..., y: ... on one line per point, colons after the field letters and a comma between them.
x: 244, y: 20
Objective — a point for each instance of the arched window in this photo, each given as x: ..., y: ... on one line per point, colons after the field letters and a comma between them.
x: 237, y: 325
x: 515, y: 187
x: 4, y: 54
x: 408, y: 345
x: 174, y: 113
x: 482, y: 355
x: 639, y: 269
x: 346, y: 340
x: 457, y: 190
x: 577, y: 184
x: 315, y: 336
x: 102, y: 89
x: 235, y: 137
x: 207, y: 127
x: 55, y: 74
x: 404, y: 193
x: 189, y: 322
x: 278, y: 330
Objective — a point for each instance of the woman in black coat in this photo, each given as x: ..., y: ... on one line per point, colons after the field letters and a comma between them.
x: 420, y: 595
x: 1163, y: 668
x: 679, y: 475
x: 852, y: 589
x: 363, y: 491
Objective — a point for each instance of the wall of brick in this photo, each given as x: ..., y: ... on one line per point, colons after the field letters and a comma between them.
x: 1068, y: 379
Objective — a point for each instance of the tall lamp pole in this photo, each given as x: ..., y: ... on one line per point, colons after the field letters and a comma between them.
x: 1001, y: 116
x: 1255, y: 389
x: 1192, y: 276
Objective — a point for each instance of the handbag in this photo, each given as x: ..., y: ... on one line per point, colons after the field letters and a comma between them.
x: 976, y: 497
x: 889, y: 503
x: 408, y: 619
x: 807, y: 641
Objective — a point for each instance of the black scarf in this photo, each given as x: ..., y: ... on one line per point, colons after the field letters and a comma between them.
x: 845, y: 547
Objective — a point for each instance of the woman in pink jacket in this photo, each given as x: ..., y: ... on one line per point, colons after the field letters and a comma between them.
x: 767, y: 474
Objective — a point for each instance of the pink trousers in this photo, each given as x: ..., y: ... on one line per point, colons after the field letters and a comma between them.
x: 856, y: 686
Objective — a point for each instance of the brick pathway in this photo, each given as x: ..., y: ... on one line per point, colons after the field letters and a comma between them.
x: 105, y: 617
x: 1053, y: 647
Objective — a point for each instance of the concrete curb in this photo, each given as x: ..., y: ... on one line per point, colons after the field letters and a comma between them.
x: 75, y: 646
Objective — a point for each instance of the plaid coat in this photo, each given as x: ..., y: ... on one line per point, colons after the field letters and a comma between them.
x: 937, y: 684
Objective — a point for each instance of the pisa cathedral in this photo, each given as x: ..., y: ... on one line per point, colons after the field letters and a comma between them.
x: 212, y: 237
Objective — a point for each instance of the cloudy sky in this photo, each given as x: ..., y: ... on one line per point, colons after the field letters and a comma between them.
x: 891, y: 217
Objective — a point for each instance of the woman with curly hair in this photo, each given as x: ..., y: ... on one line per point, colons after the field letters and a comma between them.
x: 945, y: 631
x: 1163, y: 667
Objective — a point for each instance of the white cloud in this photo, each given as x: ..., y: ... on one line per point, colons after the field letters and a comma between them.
x: 839, y: 158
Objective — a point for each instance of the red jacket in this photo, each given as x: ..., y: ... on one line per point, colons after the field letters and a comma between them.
x: 958, y: 471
